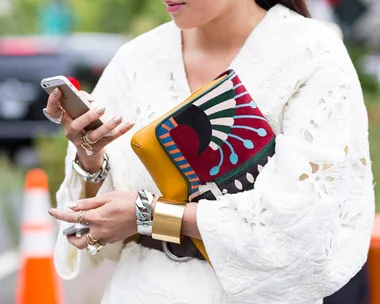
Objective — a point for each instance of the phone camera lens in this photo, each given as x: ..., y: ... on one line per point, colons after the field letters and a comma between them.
x: 45, y: 85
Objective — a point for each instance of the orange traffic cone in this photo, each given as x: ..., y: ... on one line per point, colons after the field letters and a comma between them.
x: 38, y: 282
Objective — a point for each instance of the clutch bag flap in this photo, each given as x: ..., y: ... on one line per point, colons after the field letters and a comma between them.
x: 156, y: 160
x: 212, y: 144
x: 218, y: 140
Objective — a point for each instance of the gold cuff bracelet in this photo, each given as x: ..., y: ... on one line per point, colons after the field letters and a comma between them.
x: 167, y: 221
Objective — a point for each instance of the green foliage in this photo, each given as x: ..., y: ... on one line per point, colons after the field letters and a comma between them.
x: 112, y: 16
x: 357, y: 53
x: 23, y: 19
x: 51, y: 153
x: 11, y: 189
x: 118, y: 16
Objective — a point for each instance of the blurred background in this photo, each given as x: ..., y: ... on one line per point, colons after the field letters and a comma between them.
x: 44, y: 38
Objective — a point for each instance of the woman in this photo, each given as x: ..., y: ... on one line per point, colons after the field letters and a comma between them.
x: 304, y: 230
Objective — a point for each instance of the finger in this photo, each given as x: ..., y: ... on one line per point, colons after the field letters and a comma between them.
x: 52, y: 107
x: 84, y: 120
x: 87, y: 204
x: 62, y: 215
x: 87, y: 96
x: 119, y: 132
x: 80, y: 243
x: 103, y: 242
x: 105, y: 129
x: 66, y: 120
x: 89, y: 217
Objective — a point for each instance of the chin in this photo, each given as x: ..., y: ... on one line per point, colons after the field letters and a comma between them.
x: 185, y: 24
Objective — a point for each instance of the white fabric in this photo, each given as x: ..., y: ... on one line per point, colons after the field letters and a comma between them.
x: 304, y: 230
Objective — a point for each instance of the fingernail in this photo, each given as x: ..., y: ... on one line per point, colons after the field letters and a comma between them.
x: 117, y: 120
x: 100, y: 110
x: 55, y: 92
x: 71, y: 205
x: 91, y: 98
x: 50, y: 211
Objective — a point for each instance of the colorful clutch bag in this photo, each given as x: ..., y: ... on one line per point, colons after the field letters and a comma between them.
x: 212, y: 144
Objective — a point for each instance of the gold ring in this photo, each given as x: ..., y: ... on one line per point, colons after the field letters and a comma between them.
x: 87, y: 147
x: 90, y: 239
x: 81, y: 215
x: 93, y: 249
x: 93, y: 246
x: 87, y: 140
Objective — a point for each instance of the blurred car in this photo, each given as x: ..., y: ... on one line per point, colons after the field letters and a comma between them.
x: 25, y: 61
x: 91, y: 52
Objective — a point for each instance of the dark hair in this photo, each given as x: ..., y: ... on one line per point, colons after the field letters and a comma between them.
x: 298, y: 6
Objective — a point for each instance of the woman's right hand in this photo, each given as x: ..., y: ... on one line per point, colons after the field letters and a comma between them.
x: 74, y: 130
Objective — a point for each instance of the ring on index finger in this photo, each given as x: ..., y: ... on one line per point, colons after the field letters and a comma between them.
x: 81, y: 216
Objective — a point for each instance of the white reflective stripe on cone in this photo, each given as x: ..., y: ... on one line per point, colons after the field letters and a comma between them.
x: 38, y: 227
x: 37, y: 244
x: 36, y: 206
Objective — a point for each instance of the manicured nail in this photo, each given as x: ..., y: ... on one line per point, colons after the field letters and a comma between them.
x: 100, y: 110
x: 130, y: 125
x: 55, y: 92
x: 90, y: 98
x: 71, y: 205
x: 117, y: 120
x: 50, y: 211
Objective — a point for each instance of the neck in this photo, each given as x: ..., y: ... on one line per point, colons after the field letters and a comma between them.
x: 228, y: 31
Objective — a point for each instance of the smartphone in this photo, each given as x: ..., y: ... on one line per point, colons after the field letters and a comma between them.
x: 71, y: 102
x: 76, y: 229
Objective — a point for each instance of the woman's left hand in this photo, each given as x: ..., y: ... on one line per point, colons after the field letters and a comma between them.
x: 111, y: 217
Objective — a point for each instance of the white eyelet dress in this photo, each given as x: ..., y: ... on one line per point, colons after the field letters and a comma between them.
x: 304, y: 231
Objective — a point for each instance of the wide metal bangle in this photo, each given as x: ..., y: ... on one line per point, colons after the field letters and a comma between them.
x: 167, y: 221
x: 144, y: 202
x: 96, y: 177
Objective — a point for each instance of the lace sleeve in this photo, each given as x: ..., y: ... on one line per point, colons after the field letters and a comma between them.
x: 304, y: 230
x: 112, y: 91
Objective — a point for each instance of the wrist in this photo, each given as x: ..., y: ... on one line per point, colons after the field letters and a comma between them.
x: 91, y: 163
x: 189, y: 221
x: 154, y: 202
x: 94, y: 177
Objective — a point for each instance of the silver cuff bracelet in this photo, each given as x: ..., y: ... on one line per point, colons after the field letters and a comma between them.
x: 144, y: 202
x: 96, y: 177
